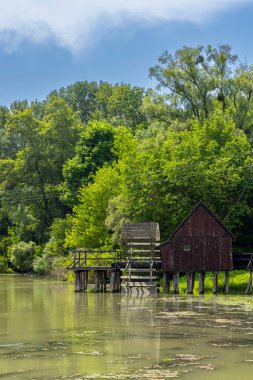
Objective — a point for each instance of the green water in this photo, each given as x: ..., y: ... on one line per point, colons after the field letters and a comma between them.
x: 48, y: 332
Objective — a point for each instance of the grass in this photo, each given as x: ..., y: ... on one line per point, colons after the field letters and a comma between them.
x: 238, y: 280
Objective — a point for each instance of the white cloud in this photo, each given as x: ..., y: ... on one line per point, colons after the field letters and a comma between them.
x: 75, y: 24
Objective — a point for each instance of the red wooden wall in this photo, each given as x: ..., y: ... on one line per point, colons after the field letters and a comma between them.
x: 200, y: 243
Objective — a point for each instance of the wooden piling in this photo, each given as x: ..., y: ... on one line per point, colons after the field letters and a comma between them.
x: 202, y: 282
x: 100, y: 280
x: 81, y: 280
x: 226, y: 282
x: 249, y: 286
x: 97, y: 281
x: 176, y: 282
x: 215, y: 282
x: 190, y: 278
x: 166, y: 281
x: 115, y: 280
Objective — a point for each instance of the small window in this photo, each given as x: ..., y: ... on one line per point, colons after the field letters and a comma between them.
x: 187, y: 248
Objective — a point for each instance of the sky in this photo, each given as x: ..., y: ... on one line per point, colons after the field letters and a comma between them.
x: 48, y: 44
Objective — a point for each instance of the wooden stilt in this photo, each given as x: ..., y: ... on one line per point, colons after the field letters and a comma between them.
x: 202, y: 282
x: 215, y: 282
x: 115, y: 281
x: 77, y: 282
x: 80, y: 281
x: 104, y: 280
x: 176, y: 283
x: 190, y: 277
x: 97, y: 281
x: 166, y: 281
x: 227, y: 282
x: 249, y: 286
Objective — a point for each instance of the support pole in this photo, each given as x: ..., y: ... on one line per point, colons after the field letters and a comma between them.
x: 115, y: 281
x: 202, y: 282
x: 80, y: 281
x: 97, y: 281
x: 104, y: 276
x: 215, y: 282
x: 227, y: 282
x: 249, y: 286
x: 176, y: 283
x: 190, y: 278
x: 166, y: 281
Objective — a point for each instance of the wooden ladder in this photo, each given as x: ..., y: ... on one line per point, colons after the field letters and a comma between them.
x: 141, y: 241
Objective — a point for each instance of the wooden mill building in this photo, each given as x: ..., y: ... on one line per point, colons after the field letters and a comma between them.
x: 201, y: 243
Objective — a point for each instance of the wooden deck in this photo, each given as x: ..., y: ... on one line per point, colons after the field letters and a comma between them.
x: 101, y: 263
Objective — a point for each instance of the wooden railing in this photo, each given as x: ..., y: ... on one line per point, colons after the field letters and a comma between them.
x: 96, y: 258
x: 243, y: 260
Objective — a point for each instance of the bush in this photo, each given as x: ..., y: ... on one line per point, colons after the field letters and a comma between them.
x: 22, y: 255
x: 42, y: 264
x: 4, y: 268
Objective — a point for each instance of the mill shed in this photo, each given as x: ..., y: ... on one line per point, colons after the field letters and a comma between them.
x: 200, y: 243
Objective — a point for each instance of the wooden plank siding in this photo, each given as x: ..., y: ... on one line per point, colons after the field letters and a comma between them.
x: 200, y: 243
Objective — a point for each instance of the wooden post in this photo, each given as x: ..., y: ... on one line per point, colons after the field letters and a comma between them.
x: 100, y: 280
x: 166, y: 281
x: 190, y: 277
x: 215, y: 282
x: 104, y: 276
x: 77, y: 282
x: 227, y: 282
x: 176, y: 283
x: 249, y: 286
x: 80, y: 281
x: 97, y: 281
x: 86, y: 275
x: 202, y: 282
x: 115, y: 281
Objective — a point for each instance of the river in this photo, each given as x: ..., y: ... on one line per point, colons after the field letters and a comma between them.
x: 48, y: 332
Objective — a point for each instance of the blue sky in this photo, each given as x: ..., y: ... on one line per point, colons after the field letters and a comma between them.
x: 47, y: 44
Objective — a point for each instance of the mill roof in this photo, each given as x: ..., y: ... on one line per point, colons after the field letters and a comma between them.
x: 200, y: 204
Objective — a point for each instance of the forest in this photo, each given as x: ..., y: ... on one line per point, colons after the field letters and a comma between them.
x: 92, y: 155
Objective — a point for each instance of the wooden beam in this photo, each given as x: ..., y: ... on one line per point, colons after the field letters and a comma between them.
x: 227, y: 282
x: 81, y: 280
x: 215, y: 282
x: 202, y: 282
x: 190, y: 278
x: 166, y: 281
x: 249, y: 286
x: 176, y: 283
x: 115, y: 280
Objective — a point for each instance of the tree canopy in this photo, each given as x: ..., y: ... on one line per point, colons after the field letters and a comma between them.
x: 92, y: 155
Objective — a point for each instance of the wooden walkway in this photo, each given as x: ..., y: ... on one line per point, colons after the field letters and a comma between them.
x: 105, y: 265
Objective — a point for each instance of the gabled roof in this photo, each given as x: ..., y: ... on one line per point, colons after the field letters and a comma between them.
x: 200, y: 204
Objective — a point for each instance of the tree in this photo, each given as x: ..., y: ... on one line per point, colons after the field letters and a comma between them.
x: 88, y: 226
x: 93, y: 150
x: 81, y: 97
x: 39, y: 148
x: 193, y: 77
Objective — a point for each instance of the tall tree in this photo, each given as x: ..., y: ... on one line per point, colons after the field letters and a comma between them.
x: 193, y: 77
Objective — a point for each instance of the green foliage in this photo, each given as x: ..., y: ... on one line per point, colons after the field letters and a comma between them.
x: 93, y: 155
x: 22, y: 255
x: 58, y: 233
x: 42, y: 265
x: 89, y: 229
x: 93, y: 150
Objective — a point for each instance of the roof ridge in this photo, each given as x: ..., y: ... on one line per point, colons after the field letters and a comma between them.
x: 200, y: 203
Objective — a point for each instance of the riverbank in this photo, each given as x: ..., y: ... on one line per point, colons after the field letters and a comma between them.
x: 238, y: 281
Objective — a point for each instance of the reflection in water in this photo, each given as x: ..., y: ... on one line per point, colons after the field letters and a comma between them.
x: 48, y: 332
